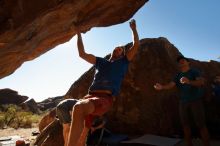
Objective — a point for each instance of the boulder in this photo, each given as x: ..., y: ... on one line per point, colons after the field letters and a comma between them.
x: 49, y: 103
x: 28, y: 29
x: 31, y: 106
x: 51, y: 131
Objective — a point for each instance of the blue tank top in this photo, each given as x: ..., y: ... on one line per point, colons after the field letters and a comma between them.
x: 109, y: 75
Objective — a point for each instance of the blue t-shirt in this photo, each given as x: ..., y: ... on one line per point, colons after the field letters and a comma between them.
x: 109, y: 75
x: 188, y: 92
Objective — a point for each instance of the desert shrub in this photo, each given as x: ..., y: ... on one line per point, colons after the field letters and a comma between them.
x: 10, y: 114
x: 14, y: 116
x: 36, y: 118
x: 27, y: 123
x: 2, y: 122
x: 21, y: 119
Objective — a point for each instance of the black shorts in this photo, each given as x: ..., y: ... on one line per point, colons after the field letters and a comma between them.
x: 63, y: 110
x: 196, y: 109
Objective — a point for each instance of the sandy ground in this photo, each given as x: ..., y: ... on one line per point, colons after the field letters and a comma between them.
x: 25, y: 133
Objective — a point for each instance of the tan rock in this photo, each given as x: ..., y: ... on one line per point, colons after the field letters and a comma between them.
x: 28, y: 29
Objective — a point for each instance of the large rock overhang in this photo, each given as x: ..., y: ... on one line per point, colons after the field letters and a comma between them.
x: 28, y: 29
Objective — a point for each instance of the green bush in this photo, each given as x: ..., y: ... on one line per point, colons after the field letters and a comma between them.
x: 14, y: 116
x: 10, y: 114
x: 2, y: 122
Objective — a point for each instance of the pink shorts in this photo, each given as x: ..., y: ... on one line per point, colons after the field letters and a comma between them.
x: 102, y: 102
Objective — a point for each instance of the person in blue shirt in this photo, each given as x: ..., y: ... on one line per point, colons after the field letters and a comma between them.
x: 106, y: 84
x: 189, y: 83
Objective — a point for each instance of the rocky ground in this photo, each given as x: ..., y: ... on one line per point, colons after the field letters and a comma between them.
x: 24, y: 133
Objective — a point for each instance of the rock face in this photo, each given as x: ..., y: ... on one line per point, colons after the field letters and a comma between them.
x: 8, y: 96
x: 31, y: 28
x: 140, y: 109
x: 31, y: 105
x: 47, y: 119
x: 49, y: 103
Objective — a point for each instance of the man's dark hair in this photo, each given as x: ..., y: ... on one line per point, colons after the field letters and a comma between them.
x: 181, y: 57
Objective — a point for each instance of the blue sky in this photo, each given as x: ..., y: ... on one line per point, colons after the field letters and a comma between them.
x: 191, y: 25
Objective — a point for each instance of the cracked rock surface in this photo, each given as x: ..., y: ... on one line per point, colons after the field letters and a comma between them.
x: 28, y: 29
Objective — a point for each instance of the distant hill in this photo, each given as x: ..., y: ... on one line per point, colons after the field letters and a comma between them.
x: 9, y: 96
